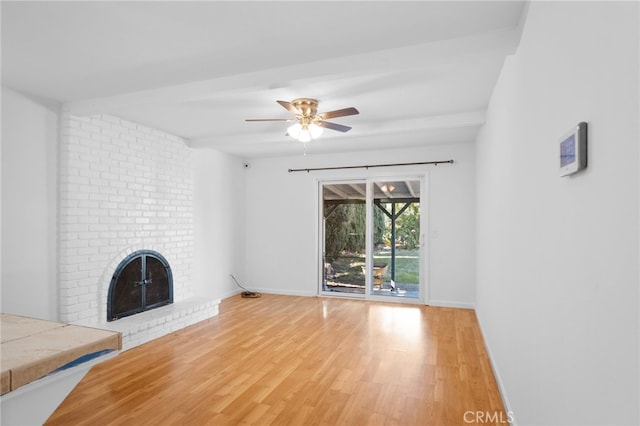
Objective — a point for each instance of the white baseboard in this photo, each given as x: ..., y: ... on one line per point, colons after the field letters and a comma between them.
x: 285, y: 292
x: 229, y: 294
x: 450, y: 304
x: 496, y: 374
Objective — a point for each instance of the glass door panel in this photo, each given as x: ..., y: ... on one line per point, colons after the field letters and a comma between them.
x: 344, y: 235
x: 396, y: 238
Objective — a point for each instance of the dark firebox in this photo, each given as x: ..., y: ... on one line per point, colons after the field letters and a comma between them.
x: 142, y: 281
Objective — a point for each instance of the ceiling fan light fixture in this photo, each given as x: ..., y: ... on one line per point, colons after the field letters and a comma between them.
x: 315, y: 130
x: 305, y: 134
x: 294, y: 131
x: 310, y: 124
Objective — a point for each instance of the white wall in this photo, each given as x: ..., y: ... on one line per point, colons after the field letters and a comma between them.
x: 29, y: 166
x: 558, y: 256
x: 219, y: 215
x: 282, y: 210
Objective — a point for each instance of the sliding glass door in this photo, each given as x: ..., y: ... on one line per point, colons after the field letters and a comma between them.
x: 344, y: 237
x: 372, y: 238
x: 397, y: 238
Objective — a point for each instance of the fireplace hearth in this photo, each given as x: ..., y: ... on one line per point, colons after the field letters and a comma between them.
x: 124, y: 188
x: 142, y: 281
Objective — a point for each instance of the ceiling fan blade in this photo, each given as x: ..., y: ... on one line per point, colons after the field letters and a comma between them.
x: 269, y: 119
x: 289, y: 107
x: 334, y: 126
x: 339, y: 113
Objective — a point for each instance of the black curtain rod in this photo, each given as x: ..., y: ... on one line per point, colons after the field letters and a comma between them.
x: 371, y: 166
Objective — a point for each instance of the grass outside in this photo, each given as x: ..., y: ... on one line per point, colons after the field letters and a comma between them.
x: 407, y: 265
x: 348, y: 269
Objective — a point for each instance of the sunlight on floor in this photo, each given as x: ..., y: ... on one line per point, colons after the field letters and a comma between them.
x: 399, y: 321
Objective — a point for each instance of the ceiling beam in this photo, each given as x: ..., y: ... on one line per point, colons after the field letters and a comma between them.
x: 336, y: 191
x: 359, y: 188
x: 500, y: 43
x: 409, y: 185
x: 392, y: 127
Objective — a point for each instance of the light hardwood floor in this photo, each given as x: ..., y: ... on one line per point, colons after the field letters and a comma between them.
x: 299, y: 361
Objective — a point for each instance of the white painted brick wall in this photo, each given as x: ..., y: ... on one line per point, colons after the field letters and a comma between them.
x: 122, y: 187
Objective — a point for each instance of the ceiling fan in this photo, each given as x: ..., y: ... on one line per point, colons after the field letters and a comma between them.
x: 308, y: 123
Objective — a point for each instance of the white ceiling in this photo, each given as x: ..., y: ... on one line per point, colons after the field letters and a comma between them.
x: 420, y: 72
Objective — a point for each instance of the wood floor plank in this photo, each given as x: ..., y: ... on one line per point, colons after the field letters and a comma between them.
x: 299, y: 361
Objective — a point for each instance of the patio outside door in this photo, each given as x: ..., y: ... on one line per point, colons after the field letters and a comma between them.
x: 372, y: 239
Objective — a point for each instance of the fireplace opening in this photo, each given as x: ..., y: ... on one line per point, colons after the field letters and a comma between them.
x: 142, y: 281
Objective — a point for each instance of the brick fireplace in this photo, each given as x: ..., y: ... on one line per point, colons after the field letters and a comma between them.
x: 124, y: 187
